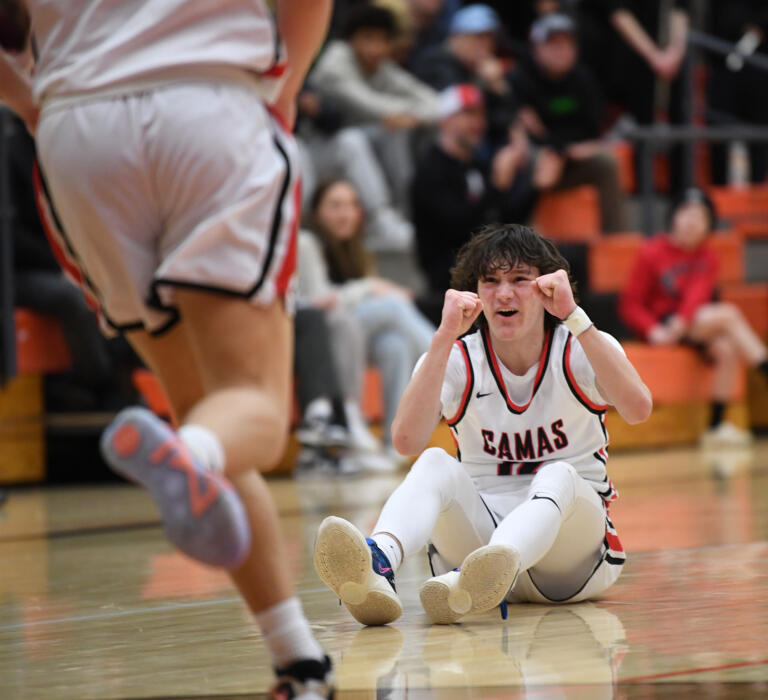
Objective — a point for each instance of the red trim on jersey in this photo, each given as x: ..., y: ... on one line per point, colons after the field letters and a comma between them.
x: 283, y: 279
x: 614, y: 543
x: 275, y: 71
x: 594, y: 406
x: 500, y: 379
x: 279, y: 119
x: 467, y: 386
x: 69, y: 266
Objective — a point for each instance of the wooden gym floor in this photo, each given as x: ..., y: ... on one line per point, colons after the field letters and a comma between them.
x: 95, y: 604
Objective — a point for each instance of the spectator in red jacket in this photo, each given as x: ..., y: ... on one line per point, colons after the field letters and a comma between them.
x: 670, y: 298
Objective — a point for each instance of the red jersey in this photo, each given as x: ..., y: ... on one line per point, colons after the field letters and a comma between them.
x: 665, y: 280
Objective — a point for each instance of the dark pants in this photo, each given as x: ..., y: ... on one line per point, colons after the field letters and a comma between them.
x: 314, y: 367
x: 732, y: 96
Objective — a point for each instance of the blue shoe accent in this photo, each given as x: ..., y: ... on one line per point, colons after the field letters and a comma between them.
x: 504, y: 609
x: 380, y: 562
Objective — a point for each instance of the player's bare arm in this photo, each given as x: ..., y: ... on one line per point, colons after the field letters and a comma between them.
x: 616, y: 378
x: 419, y: 411
x: 303, y: 25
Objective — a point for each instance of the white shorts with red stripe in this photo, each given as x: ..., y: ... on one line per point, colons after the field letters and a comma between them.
x: 189, y: 185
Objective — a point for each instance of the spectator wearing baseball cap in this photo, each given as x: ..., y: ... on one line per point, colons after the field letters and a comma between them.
x: 562, y: 110
x: 468, y: 56
x: 671, y: 298
x: 454, y: 192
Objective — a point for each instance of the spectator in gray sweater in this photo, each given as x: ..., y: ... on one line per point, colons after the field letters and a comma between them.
x: 381, y: 104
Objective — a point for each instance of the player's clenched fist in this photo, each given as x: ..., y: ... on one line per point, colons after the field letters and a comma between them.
x: 460, y: 309
x: 554, y: 291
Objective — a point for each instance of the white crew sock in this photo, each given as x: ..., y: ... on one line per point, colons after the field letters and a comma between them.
x: 319, y: 409
x: 204, y: 445
x: 288, y: 634
x: 391, y: 547
x: 531, y: 529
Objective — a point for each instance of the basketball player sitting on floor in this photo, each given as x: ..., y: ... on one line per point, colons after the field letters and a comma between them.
x: 522, y: 510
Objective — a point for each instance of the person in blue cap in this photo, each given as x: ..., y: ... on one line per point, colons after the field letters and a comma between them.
x: 468, y: 55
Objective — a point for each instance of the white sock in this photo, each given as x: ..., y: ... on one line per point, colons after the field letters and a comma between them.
x: 287, y: 633
x: 319, y: 409
x: 391, y: 547
x: 204, y: 445
x: 531, y: 529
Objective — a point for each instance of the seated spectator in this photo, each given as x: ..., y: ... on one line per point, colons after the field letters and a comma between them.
x: 561, y: 109
x: 670, y: 299
x: 454, y: 192
x: 332, y: 445
x: 468, y: 56
x: 335, y: 274
x: 100, y: 374
x: 422, y: 23
x: 385, y: 104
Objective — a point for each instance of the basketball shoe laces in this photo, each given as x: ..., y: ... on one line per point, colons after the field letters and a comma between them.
x: 380, y: 563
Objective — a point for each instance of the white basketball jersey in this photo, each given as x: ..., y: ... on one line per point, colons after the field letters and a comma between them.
x: 95, y: 46
x: 506, y: 425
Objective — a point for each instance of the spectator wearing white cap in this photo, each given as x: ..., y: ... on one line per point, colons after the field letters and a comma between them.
x: 454, y: 192
x: 382, y: 104
x: 561, y: 108
x: 469, y: 56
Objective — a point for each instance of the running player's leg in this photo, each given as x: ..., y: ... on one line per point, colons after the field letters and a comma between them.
x: 249, y: 340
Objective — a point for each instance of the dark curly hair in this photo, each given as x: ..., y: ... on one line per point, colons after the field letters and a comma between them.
x: 501, y: 247
x: 369, y: 17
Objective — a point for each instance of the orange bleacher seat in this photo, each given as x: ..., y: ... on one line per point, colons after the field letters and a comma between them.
x: 610, y: 261
x: 611, y: 258
x: 571, y: 216
x: 740, y: 202
x: 676, y: 374
x: 40, y: 344
x: 372, y: 399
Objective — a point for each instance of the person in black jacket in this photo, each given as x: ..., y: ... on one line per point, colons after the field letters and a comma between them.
x: 562, y: 111
x: 454, y: 192
x: 732, y: 85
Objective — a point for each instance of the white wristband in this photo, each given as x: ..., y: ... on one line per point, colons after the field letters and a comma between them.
x: 577, y: 321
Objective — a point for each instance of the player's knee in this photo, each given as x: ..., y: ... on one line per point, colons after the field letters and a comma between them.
x: 435, y: 467
x: 556, y: 482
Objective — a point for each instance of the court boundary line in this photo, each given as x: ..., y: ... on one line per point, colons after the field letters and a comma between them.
x: 693, y: 671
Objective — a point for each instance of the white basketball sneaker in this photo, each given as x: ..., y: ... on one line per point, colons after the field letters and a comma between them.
x: 485, y: 577
x: 357, y: 571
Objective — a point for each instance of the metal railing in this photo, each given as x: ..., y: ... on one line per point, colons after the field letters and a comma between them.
x: 649, y: 138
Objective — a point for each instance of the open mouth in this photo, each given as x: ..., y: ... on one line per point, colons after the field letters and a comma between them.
x: 507, y: 312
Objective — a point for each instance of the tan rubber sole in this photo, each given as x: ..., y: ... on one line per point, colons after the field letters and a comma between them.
x: 342, y: 560
x: 486, y: 576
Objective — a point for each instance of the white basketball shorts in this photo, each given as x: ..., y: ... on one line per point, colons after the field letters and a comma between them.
x: 190, y: 185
